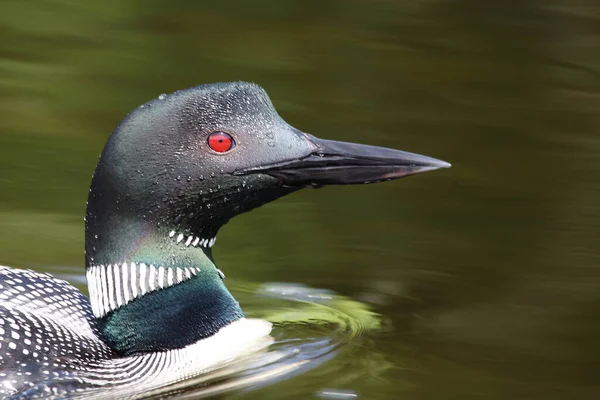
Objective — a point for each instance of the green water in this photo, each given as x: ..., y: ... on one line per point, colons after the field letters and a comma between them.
x: 485, y: 276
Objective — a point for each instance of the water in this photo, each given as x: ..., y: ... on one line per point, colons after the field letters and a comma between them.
x: 482, y: 279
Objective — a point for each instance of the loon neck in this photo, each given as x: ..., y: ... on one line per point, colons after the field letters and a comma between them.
x: 155, y: 288
x: 173, y: 317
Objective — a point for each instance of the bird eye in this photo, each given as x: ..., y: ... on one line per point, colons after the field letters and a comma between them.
x: 221, y: 142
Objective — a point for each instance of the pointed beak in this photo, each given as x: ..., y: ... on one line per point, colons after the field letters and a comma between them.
x: 342, y: 163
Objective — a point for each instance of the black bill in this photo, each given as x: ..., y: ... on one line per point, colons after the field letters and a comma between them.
x: 342, y: 163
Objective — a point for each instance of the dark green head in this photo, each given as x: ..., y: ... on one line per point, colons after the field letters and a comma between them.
x: 159, y: 170
x: 178, y: 168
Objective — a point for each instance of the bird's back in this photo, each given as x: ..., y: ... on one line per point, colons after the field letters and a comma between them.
x: 47, y: 334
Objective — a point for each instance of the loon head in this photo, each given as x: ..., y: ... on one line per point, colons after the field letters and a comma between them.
x: 172, y: 173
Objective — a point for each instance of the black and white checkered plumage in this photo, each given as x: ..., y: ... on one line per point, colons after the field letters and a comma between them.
x: 47, y: 333
x: 50, y: 345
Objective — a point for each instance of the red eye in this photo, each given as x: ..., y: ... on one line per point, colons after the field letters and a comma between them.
x: 221, y: 142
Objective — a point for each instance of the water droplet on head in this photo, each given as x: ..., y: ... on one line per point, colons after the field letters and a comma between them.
x: 271, y: 144
x: 162, y: 96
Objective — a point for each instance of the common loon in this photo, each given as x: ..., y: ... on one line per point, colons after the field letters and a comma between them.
x: 172, y: 173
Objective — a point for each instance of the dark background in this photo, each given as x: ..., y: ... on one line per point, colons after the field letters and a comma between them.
x: 486, y: 275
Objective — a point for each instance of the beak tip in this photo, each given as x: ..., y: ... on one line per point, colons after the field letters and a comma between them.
x: 437, y: 164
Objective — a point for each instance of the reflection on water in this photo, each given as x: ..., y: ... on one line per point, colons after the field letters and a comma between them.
x: 485, y: 275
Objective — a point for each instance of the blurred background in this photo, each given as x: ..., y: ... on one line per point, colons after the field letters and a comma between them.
x: 485, y: 276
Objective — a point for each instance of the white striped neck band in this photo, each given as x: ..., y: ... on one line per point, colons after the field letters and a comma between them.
x: 114, y: 285
x: 191, y: 240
